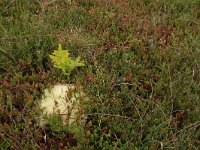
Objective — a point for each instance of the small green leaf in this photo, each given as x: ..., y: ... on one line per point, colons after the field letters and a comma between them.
x: 61, y: 60
x: 59, y: 47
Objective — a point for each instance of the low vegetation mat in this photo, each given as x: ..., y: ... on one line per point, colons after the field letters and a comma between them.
x: 137, y: 61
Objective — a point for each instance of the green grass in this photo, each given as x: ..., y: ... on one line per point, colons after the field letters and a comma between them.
x: 142, y: 72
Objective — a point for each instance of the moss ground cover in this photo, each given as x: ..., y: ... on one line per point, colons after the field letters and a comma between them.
x: 141, y: 73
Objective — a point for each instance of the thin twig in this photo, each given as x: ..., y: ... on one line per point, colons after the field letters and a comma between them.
x: 196, y: 124
x: 112, y: 115
x: 136, y: 110
x: 127, y: 138
x: 8, y: 55
x: 17, y: 144
x: 171, y: 94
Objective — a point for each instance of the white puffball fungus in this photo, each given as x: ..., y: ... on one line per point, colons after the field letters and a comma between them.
x: 61, y: 100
